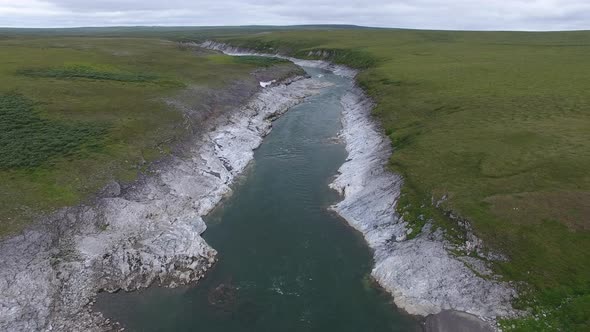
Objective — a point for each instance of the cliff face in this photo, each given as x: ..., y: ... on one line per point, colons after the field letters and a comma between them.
x: 148, y: 232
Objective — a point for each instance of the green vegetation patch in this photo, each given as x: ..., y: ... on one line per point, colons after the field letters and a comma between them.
x: 87, y: 72
x: 355, y: 58
x: 260, y: 61
x: 28, y: 140
x: 91, y: 110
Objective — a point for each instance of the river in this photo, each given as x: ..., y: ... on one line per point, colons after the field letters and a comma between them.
x: 286, y: 263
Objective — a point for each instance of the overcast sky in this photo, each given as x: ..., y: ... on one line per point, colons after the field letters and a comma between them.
x: 421, y: 14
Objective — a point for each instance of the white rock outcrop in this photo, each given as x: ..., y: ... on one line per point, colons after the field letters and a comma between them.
x: 423, y: 277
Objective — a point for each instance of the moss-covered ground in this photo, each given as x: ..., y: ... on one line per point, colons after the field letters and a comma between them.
x: 77, y: 112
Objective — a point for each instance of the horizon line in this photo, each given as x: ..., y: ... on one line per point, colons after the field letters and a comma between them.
x: 352, y: 26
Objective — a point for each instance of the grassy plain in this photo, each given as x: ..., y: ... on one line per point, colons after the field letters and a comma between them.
x: 499, y: 124
x: 77, y: 112
x: 496, y: 122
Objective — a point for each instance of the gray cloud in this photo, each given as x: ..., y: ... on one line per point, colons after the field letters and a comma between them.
x: 424, y: 14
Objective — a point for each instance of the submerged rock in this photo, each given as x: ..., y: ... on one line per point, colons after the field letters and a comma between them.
x: 223, y: 297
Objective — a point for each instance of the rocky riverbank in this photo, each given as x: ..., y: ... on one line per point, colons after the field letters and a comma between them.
x: 230, y: 50
x: 421, y: 274
x: 424, y: 278
x: 131, y: 237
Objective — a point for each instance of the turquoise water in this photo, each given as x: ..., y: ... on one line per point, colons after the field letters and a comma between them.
x: 286, y: 263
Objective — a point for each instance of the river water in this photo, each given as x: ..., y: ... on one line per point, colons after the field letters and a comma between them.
x: 286, y: 263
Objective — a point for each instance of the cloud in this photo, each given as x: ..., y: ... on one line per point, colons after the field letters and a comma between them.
x: 422, y: 14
